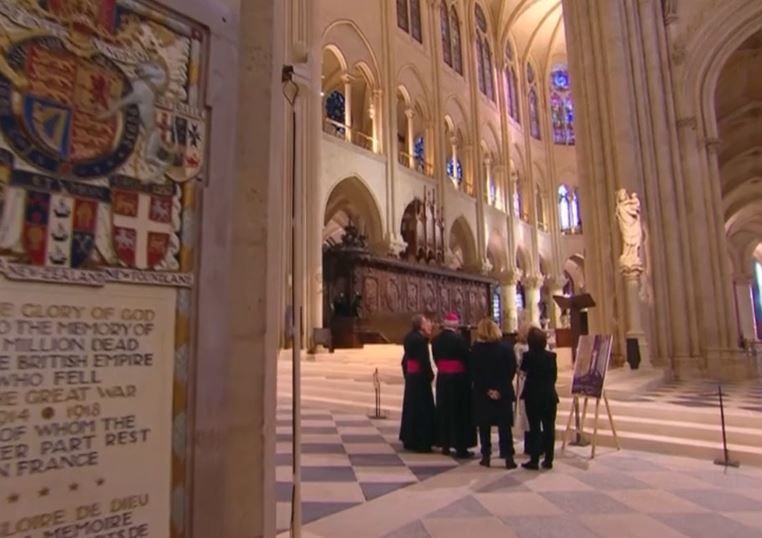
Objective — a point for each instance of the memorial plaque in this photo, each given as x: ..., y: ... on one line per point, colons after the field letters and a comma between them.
x: 103, y: 142
x: 85, y: 410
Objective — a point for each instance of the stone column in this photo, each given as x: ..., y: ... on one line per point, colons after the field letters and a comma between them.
x: 242, y: 275
x: 635, y: 329
x: 409, y: 115
x: 555, y: 287
x: 533, y: 288
x: 745, y: 305
x: 346, y: 78
x: 508, y: 282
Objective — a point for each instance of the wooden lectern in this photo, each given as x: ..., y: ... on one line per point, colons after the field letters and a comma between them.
x: 575, y: 305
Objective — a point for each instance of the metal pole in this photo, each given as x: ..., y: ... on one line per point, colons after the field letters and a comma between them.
x: 725, y: 461
x: 297, y: 286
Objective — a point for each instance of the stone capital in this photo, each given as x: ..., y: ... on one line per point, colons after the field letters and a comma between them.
x: 486, y: 267
x: 743, y: 280
x: 533, y: 282
x: 555, y: 283
x: 394, y: 245
x: 631, y: 272
x: 509, y: 277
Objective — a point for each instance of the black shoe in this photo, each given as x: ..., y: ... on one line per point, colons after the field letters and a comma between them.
x: 510, y: 464
x: 463, y: 455
x: 547, y: 464
x: 485, y: 461
x: 446, y: 452
x: 531, y: 466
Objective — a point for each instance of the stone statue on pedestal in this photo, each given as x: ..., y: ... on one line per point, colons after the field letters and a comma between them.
x: 628, y: 216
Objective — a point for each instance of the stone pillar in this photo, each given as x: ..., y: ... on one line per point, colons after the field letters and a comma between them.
x: 508, y: 282
x: 409, y: 115
x: 346, y: 78
x: 242, y: 276
x: 555, y: 287
x: 635, y: 329
x: 533, y: 289
x: 745, y: 305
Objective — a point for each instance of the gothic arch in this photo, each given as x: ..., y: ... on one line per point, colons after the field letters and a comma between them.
x: 345, y: 35
x: 462, y: 245
x: 496, y: 252
x: 352, y: 199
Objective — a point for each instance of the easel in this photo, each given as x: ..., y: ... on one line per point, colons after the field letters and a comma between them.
x: 579, y: 426
x: 576, y: 304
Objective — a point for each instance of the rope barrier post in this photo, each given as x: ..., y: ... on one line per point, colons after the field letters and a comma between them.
x: 378, y: 414
x: 725, y: 461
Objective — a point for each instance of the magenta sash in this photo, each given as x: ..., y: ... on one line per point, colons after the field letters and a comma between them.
x: 450, y: 366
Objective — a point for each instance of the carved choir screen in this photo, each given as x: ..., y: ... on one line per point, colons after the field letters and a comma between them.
x: 388, y: 292
x: 423, y: 230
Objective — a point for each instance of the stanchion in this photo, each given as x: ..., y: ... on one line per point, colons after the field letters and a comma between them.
x: 378, y: 414
x: 725, y: 461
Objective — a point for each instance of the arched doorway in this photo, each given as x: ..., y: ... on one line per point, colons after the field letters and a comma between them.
x: 737, y: 108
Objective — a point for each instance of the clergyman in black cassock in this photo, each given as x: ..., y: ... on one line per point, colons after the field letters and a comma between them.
x: 417, y: 427
x: 455, y: 427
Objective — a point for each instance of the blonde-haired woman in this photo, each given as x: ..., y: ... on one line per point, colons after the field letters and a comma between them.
x: 493, y: 367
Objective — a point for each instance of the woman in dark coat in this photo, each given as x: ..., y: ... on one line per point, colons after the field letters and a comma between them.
x: 418, y: 423
x: 539, y: 395
x: 493, y: 367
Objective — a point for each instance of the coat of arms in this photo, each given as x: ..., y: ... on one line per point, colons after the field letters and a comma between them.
x: 60, y: 219
x: 142, y: 223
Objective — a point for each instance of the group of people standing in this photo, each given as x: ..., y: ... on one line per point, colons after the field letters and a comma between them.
x: 475, y: 391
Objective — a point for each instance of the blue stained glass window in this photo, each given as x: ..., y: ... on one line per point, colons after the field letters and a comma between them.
x: 562, y: 106
x: 497, y: 305
x: 335, y: 106
x: 560, y: 79
x: 419, y: 151
x: 480, y: 64
x: 564, y: 209
x: 455, y: 171
x: 491, y: 191
x: 512, y: 84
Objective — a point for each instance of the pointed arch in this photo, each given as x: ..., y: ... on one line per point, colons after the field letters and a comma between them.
x: 462, y: 244
x: 351, y: 200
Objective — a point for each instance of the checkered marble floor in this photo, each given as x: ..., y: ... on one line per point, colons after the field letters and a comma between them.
x: 347, y: 459
x: 621, y: 494
x: 745, y: 396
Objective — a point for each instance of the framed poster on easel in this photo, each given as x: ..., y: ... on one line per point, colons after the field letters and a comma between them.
x: 588, y: 382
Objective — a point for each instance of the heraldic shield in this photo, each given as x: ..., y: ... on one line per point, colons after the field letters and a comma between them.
x: 58, y: 121
x: 142, y: 222
x: 183, y: 135
x: 60, y: 219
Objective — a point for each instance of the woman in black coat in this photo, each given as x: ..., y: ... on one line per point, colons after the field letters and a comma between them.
x: 541, y: 400
x: 493, y: 367
x: 418, y: 424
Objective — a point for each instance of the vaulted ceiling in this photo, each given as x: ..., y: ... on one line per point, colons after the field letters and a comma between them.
x: 738, y: 105
x: 536, y: 27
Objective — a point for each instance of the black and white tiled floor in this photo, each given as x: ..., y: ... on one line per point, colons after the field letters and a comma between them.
x: 746, y: 396
x: 347, y: 459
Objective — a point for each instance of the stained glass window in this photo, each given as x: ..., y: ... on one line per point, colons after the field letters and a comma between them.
x: 444, y: 26
x: 530, y: 74
x: 480, y: 63
x: 491, y: 191
x: 520, y: 301
x: 457, y: 51
x: 757, y: 290
x: 511, y: 90
x: 489, y: 81
x: 481, y: 19
x: 335, y: 105
x: 561, y: 106
x: 403, y: 20
x: 564, y: 208
x: 534, y: 114
x: 483, y: 55
x: 497, y: 305
x: 415, y: 20
x: 455, y: 171
x: 419, y: 152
